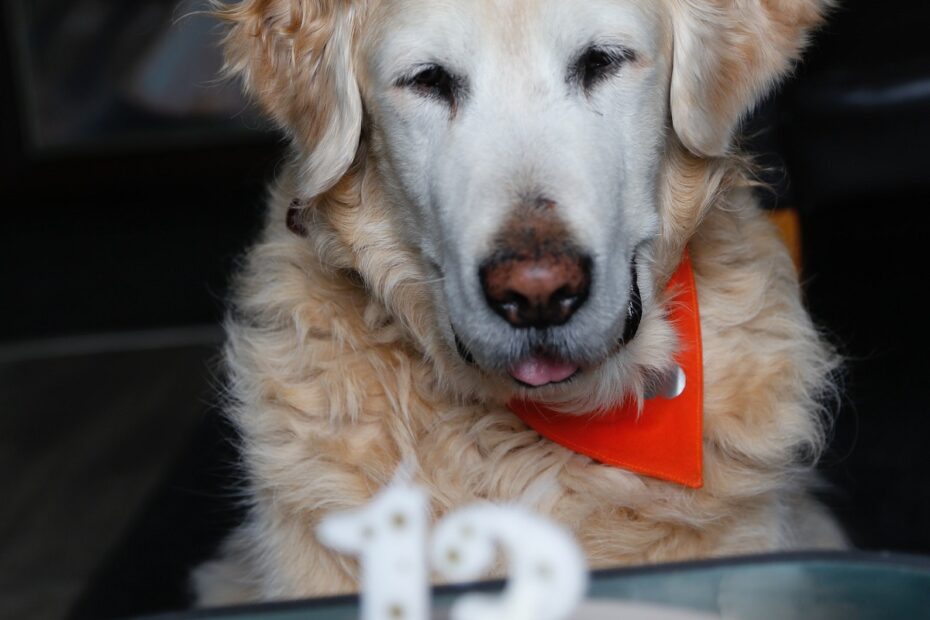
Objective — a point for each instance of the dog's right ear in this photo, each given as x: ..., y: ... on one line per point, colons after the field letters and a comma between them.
x: 295, y: 58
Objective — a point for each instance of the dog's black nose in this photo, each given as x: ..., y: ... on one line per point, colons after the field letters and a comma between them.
x: 538, y: 290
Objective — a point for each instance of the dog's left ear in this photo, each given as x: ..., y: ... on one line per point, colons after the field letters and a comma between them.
x: 727, y: 55
x: 295, y: 57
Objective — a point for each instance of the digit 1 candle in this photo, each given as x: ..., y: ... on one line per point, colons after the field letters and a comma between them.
x: 388, y: 535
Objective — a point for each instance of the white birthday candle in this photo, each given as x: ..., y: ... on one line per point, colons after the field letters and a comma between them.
x: 389, y: 537
x: 547, y: 575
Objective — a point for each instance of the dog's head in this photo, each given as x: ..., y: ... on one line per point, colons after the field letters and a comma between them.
x: 523, y: 152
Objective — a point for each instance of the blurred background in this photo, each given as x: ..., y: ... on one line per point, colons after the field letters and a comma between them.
x: 131, y: 181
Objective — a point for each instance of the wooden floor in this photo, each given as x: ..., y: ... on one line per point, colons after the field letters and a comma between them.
x: 85, y: 438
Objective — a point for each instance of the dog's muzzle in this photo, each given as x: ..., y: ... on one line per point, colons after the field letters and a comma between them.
x: 631, y: 327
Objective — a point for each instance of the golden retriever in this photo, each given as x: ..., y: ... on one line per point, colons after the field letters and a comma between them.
x: 484, y: 201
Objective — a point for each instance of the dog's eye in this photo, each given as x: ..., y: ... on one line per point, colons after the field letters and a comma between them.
x: 433, y: 81
x: 597, y: 63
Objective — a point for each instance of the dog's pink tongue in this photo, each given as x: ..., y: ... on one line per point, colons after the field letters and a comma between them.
x: 537, y: 370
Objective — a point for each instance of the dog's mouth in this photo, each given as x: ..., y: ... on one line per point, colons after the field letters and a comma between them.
x: 539, y: 369
x: 533, y: 371
x: 542, y: 368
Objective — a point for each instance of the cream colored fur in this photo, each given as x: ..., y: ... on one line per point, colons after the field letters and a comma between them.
x: 338, y: 371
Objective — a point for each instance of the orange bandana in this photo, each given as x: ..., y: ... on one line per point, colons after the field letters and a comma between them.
x: 665, y: 440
